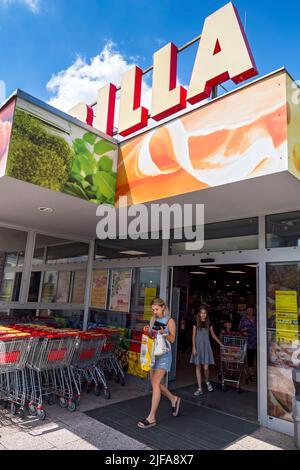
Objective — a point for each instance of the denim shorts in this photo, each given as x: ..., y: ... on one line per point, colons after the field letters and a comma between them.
x: 163, y: 362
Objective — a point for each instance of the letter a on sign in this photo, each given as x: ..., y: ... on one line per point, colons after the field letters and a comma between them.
x: 223, y: 54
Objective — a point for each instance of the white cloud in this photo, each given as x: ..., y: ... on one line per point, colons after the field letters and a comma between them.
x: 80, y: 82
x: 33, y: 5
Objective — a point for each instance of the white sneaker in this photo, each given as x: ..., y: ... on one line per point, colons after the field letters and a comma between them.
x: 210, y: 388
x: 198, y: 392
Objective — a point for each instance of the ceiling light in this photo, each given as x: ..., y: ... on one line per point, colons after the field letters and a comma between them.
x: 133, y: 253
x: 251, y: 265
x: 236, y: 272
x: 210, y: 267
x: 46, y: 210
x: 198, y: 272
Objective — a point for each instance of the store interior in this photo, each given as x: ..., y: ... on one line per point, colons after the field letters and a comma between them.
x: 227, y: 291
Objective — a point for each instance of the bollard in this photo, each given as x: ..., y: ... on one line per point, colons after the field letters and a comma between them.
x: 296, y: 407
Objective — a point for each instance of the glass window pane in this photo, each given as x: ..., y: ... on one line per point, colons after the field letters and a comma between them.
x: 34, y: 288
x: 118, y: 249
x: 79, y: 283
x: 67, y: 253
x: 63, y: 288
x: 11, y: 260
x: 38, y: 256
x: 283, y: 295
x: 7, y: 287
x: 17, y: 287
x: 49, y: 287
x: 21, y: 259
x: 283, y: 230
x: 59, y: 251
x: 12, y: 245
x: 232, y: 235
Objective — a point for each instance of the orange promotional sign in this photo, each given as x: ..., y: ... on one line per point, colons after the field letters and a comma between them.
x: 240, y: 136
x: 223, y: 54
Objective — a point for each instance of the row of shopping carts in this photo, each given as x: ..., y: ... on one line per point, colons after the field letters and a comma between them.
x: 39, y: 365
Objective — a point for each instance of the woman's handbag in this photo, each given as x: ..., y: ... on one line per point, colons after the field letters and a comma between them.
x: 161, y: 345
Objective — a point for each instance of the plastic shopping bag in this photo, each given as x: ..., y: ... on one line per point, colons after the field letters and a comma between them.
x: 161, y: 345
x: 147, y: 357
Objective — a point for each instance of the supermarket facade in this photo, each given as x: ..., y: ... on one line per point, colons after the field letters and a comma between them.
x: 238, y: 154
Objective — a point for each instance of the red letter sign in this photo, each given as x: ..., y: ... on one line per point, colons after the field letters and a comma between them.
x: 83, y: 112
x: 223, y: 54
x: 132, y: 117
x: 106, y: 109
x: 167, y: 99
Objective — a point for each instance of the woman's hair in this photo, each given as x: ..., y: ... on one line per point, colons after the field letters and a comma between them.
x: 198, y: 318
x: 161, y: 303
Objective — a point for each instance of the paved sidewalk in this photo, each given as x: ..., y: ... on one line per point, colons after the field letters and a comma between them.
x: 63, y: 430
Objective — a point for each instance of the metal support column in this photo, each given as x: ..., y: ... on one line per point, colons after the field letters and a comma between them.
x: 262, y: 362
x: 88, y: 286
x: 164, y: 269
x: 25, y: 282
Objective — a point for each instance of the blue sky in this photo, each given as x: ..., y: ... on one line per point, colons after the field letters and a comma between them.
x: 41, y: 38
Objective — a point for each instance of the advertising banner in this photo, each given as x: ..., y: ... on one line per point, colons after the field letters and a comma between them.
x: 54, y: 153
x: 287, y: 324
x: 99, y: 288
x: 79, y: 287
x: 120, y: 290
x: 63, y: 287
x: 150, y: 294
x: 240, y: 136
x: 6, y: 118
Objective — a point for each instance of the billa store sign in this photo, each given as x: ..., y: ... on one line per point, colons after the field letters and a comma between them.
x: 223, y: 54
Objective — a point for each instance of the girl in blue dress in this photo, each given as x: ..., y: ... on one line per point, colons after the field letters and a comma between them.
x: 162, y: 364
x: 202, y: 352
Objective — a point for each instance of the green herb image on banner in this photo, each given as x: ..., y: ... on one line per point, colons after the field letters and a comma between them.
x: 92, y: 175
x: 38, y: 155
x: 76, y: 163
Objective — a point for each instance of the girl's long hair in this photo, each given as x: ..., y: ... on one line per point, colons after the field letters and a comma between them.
x: 199, y: 321
x: 161, y: 303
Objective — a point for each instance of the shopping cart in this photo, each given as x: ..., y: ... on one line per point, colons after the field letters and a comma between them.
x: 14, y: 352
x: 233, y: 360
x: 85, y: 367
x: 49, y: 371
x: 109, y: 361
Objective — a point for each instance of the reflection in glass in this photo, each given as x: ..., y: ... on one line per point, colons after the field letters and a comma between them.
x: 67, y: 253
x: 234, y: 235
x: 7, y: 287
x: 49, y: 287
x: 283, y: 230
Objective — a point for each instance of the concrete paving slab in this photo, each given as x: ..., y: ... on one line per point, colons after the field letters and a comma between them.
x: 80, y: 444
x: 23, y: 441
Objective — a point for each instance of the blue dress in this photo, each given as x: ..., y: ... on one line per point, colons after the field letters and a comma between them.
x: 204, y: 354
x: 164, y: 362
